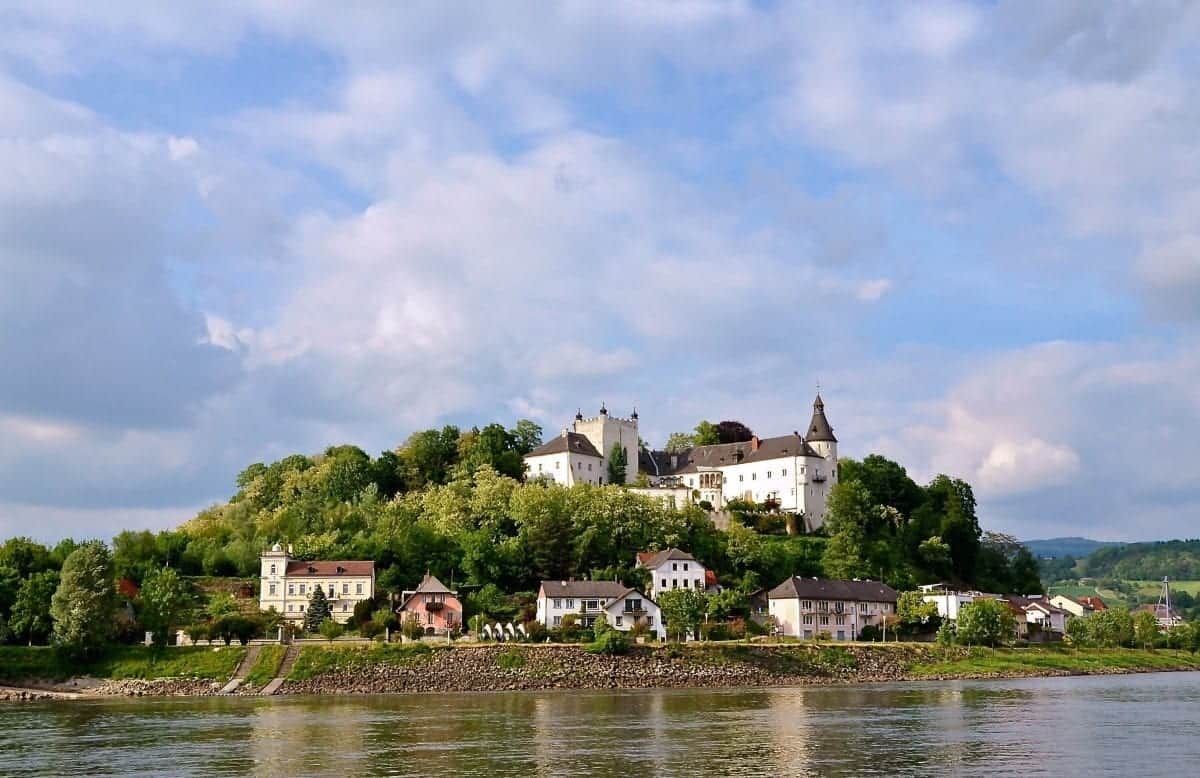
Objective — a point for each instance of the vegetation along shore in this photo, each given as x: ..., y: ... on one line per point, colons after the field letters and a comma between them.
x: 422, y: 668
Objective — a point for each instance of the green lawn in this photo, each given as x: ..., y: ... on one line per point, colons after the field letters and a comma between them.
x: 122, y: 662
x: 1152, y: 588
x: 318, y: 660
x: 265, y: 667
x: 984, y: 661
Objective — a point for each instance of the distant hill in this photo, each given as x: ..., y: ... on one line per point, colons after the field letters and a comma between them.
x: 1058, y: 548
x: 1175, y: 559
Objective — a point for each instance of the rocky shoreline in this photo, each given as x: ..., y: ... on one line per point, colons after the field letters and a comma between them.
x: 523, y: 667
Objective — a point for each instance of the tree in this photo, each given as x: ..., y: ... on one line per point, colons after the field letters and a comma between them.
x: 331, y: 630
x: 164, y: 599
x: 31, y: 611
x: 1111, y: 628
x: 1077, y: 631
x: 733, y: 432
x: 850, y: 511
x: 1145, y: 628
x: 706, y: 434
x: 318, y: 610
x: 915, y: 612
x: 984, y: 622
x: 25, y: 556
x: 82, y: 606
x: 935, y: 556
x: 678, y: 442
x: 617, y: 464
x: 681, y: 612
x: 527, y: 435
x: 429, y: 455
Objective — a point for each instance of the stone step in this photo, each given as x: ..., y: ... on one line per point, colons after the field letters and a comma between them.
x: 285, y: 667
x: 239, y: 675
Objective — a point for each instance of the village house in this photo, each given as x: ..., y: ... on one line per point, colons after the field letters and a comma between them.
x: 807, y: 607
x: 1036, y: 619
x: 286, y: 584
x: 675, y: 569
x: 435, y: 607
x: 1074, y: 607
x: 791, y: 473
x: 1168, y: 618
x: 949, y: 601
x: 622, y: 606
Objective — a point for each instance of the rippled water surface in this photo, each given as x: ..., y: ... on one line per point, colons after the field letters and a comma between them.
x: 1115, y: 725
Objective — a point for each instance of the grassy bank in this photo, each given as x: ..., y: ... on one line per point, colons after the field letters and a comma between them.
x: 1054, y: 660
x: 122, y: 662
x: 265, y: 667
x: 319, y: 660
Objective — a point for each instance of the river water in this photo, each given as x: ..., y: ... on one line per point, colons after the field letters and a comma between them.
x: 1102, y: 725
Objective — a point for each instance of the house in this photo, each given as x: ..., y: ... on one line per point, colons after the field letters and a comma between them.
x: 807, y: 607
x: 435, y: 607
x: 760, y: 606
x: 949, y: 602
x: 675, y: 569
x: 1093, y: 602
x: 287, y: 584
x: 792, y: 473
x: 1036, y: 618
x: 622, y: 606
x: 1075, y: 607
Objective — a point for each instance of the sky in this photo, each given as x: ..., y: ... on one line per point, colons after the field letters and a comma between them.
x: 234, y: 231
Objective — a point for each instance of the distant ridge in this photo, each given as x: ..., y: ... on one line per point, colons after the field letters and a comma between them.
x: 1061, y: 547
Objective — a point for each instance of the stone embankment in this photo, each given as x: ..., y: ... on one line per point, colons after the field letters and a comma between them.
x: 161, y: 687
x: 527, y: 667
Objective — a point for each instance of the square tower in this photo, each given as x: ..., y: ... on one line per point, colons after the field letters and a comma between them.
x: 605, y: 431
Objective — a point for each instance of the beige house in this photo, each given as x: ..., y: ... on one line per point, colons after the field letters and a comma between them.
x: 806, y: 607
x: 287, y: 584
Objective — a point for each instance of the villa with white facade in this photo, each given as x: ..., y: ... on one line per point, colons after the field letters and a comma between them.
x: 622, y: 606
x: 286, y: 584
x: 806, y: 607
x: 793, y: 473
x: 673, y: 569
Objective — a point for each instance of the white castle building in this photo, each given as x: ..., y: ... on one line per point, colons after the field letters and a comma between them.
x: 793, y: 473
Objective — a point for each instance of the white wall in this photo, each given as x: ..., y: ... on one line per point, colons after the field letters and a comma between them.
x: 676, y: 577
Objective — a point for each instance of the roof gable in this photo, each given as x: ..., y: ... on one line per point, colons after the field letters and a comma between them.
x: 299, y: 569
x: 567, y: 442
x: 833, y: 589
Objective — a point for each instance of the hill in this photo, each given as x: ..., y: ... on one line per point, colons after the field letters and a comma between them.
x: 1057, y: 548
x: 1174, y: 559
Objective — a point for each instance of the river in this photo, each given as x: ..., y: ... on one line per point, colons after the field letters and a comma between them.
x: 1099, y: 725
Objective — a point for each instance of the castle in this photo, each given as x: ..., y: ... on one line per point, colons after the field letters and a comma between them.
x: 791, y: 472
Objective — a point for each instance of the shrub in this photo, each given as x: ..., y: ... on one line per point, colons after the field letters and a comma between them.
x: 331, y: 630
x: 871, y: 633
x: 369, y: 629
x: 609, y: 642
x: 946, y: 635
x: 412, y: 628
x: 510, y: 660
x: 536, y: 632
x: 198, y: 632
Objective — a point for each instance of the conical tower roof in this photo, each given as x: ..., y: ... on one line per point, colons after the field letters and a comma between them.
x: 818, y: 428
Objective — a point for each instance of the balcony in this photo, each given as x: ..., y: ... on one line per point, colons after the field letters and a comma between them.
x: 434, y: 606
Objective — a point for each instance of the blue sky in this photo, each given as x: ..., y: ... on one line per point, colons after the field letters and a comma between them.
x: 230, y: 232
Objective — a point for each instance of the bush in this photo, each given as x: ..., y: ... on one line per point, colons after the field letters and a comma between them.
x: 412, y: 629
x: 609, y: 642
x: 198, y: 632
x: 946, y: 635
x: 369, y: 629
x: 510, y: 660
x: 871, y: 633
x: 331, y: 630
x: 536, y: 632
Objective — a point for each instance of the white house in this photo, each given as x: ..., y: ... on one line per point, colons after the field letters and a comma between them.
x: 806, y: 607
x: 1049, y: 621
x: 673, y: 569
x: 948, y: 601
x: 1072, y: 606
x: 623, y: 607
x: 286, y: 584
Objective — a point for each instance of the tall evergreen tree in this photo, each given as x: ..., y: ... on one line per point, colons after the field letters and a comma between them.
x: 617, y: 462
x: 318, y: 610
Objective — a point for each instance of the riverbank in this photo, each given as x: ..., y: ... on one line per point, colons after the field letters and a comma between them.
x: 399, y: 669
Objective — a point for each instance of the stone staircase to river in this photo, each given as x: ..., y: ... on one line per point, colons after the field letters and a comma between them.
x: 285, y: 667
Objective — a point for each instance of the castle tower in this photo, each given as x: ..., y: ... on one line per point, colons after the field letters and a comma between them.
x: 604, y: 431
x: 820, y: 437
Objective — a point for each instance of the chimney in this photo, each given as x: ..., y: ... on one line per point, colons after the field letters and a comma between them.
x: 754, y: 442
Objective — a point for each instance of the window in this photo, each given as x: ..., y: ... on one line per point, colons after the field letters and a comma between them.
x: 330, y: 590
x: 558, y: 621
x: 685, y: 583
x: 699, y: 585
x: 801, y: 469
x: 272, y: 589
x: 649, y: 621
x: 345, y: 607
x: 808, y: 618
x: 674, y: 583
x: 570, y: 602
x: 291, y: 588
x: 619, y: 623
x: 358, y: 588
x: 632, y: 605
x: 824, y: 620
x: 578, y: 465
x: 674, y: 566
x: 664, y: 584
x: 557, y: 465
x: 807, y: 604
x: 841, y: 620
x: 589, y: 466
x: 290, y: 606
x: 302, y: 588
x: 428, y: 618
x: 539, y: 467
x: 272, y: 569
x: 862, y: 607
x: 685, y: 564
x: 769, y: 474
x: 557, y: 602
x: 591, y: 605
x: 302, y: 609
x: 754, y: 476
x: 345, y: 588
x: 741, y: 478
x: 839, y: 606
x: 783, y: 472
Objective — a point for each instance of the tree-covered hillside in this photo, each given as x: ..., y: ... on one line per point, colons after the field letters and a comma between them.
x: 1174, y: 559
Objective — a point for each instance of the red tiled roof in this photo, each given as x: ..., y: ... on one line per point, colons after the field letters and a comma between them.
x: 1095, y: 603
x: 300, y: 569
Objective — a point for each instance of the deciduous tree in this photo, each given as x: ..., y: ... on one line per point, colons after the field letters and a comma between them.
x: 82, y: 606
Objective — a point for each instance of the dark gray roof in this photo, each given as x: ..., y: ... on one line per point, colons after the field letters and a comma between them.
x: 833, y: 589
x: 568, y: 441
x: 606, y: 589
x: 818, y: 428
x: 661, y: 463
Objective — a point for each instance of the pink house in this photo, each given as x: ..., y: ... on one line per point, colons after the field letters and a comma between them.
x: 433, y: 605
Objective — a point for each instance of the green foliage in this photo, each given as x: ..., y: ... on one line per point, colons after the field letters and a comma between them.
x: 678, y: 442
x: 321, y: 660
x: 682, y: 610
x: 318, y: 610
x: 617, y: 463
x: 265, y: 667
x: 82, y: 606
x: 914, y: 613
x: 512, y: 659
x: 609, y: 642
x: 984, y: 622
x: 331, y: 630
x: 164, y: 599
x: 1145, y: 628
x: 706, y: 434
x: 848, y: 522
x: 30, y: 620
x: 1110, y: 628
x: 120, y: 662
x: 946, y: 634
x: 1174, y: 559
x: 26, y: 557
x: 1077, y: 631
x: 412, y: 628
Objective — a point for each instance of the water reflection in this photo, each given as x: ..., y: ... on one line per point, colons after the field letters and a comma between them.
x: 1100, y: 726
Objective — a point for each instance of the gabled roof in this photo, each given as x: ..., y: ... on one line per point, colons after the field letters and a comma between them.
x: 606, y: 589
x: 571, y: 442
x: 1095, y: 603
x: 653, y: 560
x: 299, y: 569
x: 429, y: 585
x: 693, y: 460
x: 833, y: 589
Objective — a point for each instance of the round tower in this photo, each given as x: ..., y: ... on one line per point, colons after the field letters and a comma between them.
x: 820, y: 436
